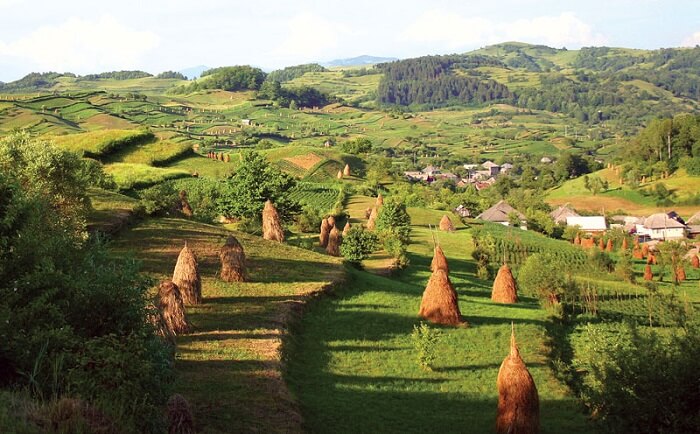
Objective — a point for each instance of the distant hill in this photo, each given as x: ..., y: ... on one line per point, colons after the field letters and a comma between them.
x: 194, y: 71
x: 360, y: 60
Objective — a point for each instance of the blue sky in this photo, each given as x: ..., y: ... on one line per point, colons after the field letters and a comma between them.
x: 156, y: 35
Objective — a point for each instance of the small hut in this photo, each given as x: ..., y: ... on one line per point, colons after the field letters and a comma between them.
x: 439, y: 304
x: 446, y: 224
x: 232, y: 258
x: 518, y: 401
x: 186, y: 277
x: 505, y: 290
x: 271, y: 224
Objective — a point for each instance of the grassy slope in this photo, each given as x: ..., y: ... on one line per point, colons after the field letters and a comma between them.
x: 230, y: 367
x: 354, y: 370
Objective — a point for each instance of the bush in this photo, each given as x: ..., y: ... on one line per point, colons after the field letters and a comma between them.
x: 160, y: 199
x: 425, y: 340
x: 542, y: 275
x: 358, y: 244
x: 600, y: 261
x: 393, y: 219
x: 309, y: 220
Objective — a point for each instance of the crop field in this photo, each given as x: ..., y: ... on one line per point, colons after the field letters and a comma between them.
x: 98, y: 144
x: 320, y: 197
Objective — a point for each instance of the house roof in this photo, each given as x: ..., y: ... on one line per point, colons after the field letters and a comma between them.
x: 506, y: 166
x: 695, y: 218
x: 588, y: 223
x: 489, y: 164
x: 499, y: 213
x: 431, y: 169
x: 560, y: 214
x: 661, y: 221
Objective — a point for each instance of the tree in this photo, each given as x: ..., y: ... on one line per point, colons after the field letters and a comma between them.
x: 359, y: 145
x: 358, y: 244
x: 672, y: 254
x: 595, y: 184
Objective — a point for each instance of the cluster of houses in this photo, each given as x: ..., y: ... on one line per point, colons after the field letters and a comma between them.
x: 479, y: 175
x: 659, y: 226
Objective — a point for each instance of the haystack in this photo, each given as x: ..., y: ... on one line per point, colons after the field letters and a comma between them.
x: 636, y: 242
x: 648, y: 275
x: 577, y: 240
x: 334, y: 240
x: 625, y: 246
x: 186, y: 277
x: 232, y: 258
x: 601, y: 244
x: 331, y: 221
x: 371, y: 222
x: 340, y: 174
x: 651, y: 259
x: 323, y: 235
x: 368, y: 212
x: 695, y: 261
x: 180, y: 420
x: 185, y: 207
x: 346, y: 170
x: 439, y: 261
x: 380, y: 200
x: 609, y: 246
x: 446, y: 224
x: 439, y: 304
x: 271, y: 225
x: 346, y: 229
x: 680, y: 274
x: 645, y: 250
x: 171, y: 305
x: 154, y: 316
x: 637, y: 253
x: 505, y: 290
x: 518, y: 401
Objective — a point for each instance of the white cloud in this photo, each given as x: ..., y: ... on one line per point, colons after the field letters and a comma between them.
x: 692, y: 40
x: 455, y: 31
x: 309, y: 36
x: 82, y: 46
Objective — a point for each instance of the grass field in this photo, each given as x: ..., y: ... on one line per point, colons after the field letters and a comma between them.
x: 98, y: 144
x: 132, y: 175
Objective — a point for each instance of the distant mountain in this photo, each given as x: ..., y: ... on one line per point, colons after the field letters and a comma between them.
x: 360, y: 60
x: 194, y: 71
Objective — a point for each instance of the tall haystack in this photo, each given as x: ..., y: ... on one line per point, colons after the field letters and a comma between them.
x: 446, y: 224
x: 637, y: 253
x: 587, y: 243
x: 648, y: 275
x: 371, y: 222
x: 439, y: 261
x: 645, y: 250
x: 346, y: 170
x: 323, y: 235
x: 439, y: 304
x: 609, y: 246
x: 625, y: 246
x: 172, y: 307
x: 232, y: 258
x: 695, y: 261
x: 340, y: 174
x: 651, y: 259
x: 368, y: 212
x: 346, y: 229
x: 271, y: 224
x: 185, y: 207
x: 518, y: 401
x: 601, y: 244
x: 180, y: 420
x: 505, y: 290
x: 577, y: 240
x: 331, y: 221
x: 380, y: 200
x: 186, y: 277
x: 680, y: 273
x: 154, y: 316
x: 334, y: 240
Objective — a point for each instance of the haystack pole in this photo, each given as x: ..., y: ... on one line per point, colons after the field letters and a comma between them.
x: 232, y: 256
x: 505, y: 290
x: 334, y: 240
x: 323, y: 235
x: 518, y: 401
x: 439, y: 261
x: 446, y: 224
x: 439, y: 304
x: 186, y: 277
x: 180, y: 420
x: 271, y: 224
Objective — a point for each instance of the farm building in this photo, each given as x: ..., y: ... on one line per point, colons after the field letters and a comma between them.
x: 462, y: 211
x: 588, y: 224
x: 560, y: 214
x: 430, y: 174
x: 695, y: 219
x: 661, y: 227
x: 500, y: 213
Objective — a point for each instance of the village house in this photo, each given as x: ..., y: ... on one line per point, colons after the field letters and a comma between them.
x: 694, y: 226
x: 560, y: 214
x: 500, y: 213
x: 430, y: 174
x: 588, y: 224
x: 661, y: 226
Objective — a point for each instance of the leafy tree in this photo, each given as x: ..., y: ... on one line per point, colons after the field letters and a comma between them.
x: 394, y: 219
x: 595, y: 184
x: 358, y: 244
x: 359, y: 145
x: 542, y: 275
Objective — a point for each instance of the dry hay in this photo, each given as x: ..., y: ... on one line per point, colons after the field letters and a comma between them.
x: 154, y: 316
x: 346, y: 229
x: 609, y: 246
x: 505, y: 290
x: 334, y: 240
x: 601, y: 244
x: 439, y: 304
x: 306, y: 161
x: 625, y: 246
x: 577, y: 240
x: 651, y: 259
x: 323, y: 235
x: 637, y: 253
x: 636, y: 242
x: 680, y: 274
x: 346, y: 170
x: 648, y: 275
x: 645, y: 250
x: 695, y: 261
x: 439, y: 261
x: 186, y: 277
x: 587, y: 243
x: 331, y: 220
x: 518, y: 401
x: 271, y: 225
x: 180, y: 420
x: 185, y: 207
x: 232, y: 258
x: 368, y: 212
x: 172, y: 306
x: 380, y: 200
x: 340, y: 174
x: 446, y: 224
x: 371, y: 222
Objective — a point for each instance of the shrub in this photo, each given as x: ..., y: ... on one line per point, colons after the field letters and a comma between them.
x: 358, y: 244
x: 160, y: 199
x: 425, y: 340
x: 600, y: 261
x: 541, y: 275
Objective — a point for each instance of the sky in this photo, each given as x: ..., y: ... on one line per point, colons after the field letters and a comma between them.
x: 90, y: 36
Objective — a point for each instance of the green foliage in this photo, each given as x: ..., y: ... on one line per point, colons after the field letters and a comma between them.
x: 231, y: 78
x: 358, y: 244
x: 291, y: 72
x: 171, y: 75
x: 116, y: 75
x: 599, y: 260
x: 309, y: 219
x: 356, y: 146
x: 425, y: 339
x: 160, y: 199
x: 394, y: 220
x: 203, y: 195
x: 293, y: 97
x: 595, y: 184
x: 542, y: 275
x: 624, y: 266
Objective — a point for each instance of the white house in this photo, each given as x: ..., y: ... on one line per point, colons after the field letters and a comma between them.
x: 589, y: 224
x: 661, y: 227
x: 500, y: 213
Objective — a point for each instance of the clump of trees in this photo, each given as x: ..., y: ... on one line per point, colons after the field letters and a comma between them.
x: 231, y: 78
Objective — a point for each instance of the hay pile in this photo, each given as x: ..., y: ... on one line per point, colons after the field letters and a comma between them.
x: 446, y: 224
x: 601, y: 244
x: 637, y: 253
x: 577, y: 240
x: 587, y: 243
x: 695, y: 261
x: 271, y: 224
x: 625, y: 246
x: 154, y: 316
x: 680, y: 273
x: 439, y: 304
x: 651, y: 259
x: 648, y: 275
x: 340, y: 174
x: 371, y: 222
x: 346, y: 229
x: 609, y: 246
x: 346, y: 170
x: 323, y: 235
x: 439, y: 261
x: 186, y: 277
x: 331, y: 221
x: 171, y: 305
x: 232, y: 258
x: 505, y: 290
x: 645, y: 250
x: 368, y: 212
x: 380, y: 201
x: 180, y: 420
x: 334, y: 240
x: 185, y: 207
x: 518, y: 401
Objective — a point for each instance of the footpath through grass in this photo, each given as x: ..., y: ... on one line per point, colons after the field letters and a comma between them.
x: 353, y: 367
x: 230, y: 368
